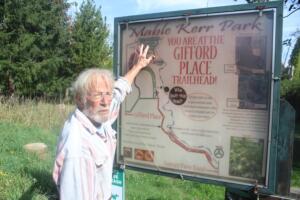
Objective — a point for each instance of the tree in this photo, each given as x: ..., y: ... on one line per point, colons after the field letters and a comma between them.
x: 34, y: 44
x: 89, y: 43
x: 292, y: 5
x: 290, y: 89
x: 295, y: 59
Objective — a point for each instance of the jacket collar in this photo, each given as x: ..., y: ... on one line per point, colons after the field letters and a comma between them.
x: 85, y: 122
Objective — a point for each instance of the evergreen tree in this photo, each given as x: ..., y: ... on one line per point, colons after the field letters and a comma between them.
x: 89, y: 44
x: 34, y: 47
x: 41, y: 53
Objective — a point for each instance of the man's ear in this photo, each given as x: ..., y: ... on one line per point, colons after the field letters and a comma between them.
x: 79, y: 102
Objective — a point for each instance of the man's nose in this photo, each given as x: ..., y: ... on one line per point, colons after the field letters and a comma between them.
x: 105, y: 101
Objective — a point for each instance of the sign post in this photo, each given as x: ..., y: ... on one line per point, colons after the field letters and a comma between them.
x: 118, y: 185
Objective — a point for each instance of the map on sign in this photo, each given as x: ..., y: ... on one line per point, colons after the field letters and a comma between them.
x: 165, y: 101
x: 203, y: 104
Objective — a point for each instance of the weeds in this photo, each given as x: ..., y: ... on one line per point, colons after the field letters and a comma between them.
x: 34, y: 113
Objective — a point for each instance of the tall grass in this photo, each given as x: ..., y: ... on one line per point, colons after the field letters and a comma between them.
x: 36, y: 113
x: 23, y: 175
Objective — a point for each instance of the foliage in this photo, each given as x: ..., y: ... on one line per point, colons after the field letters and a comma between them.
x: 295, y: 59
x: 292, y: 5
x: 33, y: 52
x: 290, y: 89
x: 42, y: 50
x: 89, y: 45
x: 296, y: 177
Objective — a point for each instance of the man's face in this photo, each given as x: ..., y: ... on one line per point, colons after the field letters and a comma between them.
x: 98, y: 100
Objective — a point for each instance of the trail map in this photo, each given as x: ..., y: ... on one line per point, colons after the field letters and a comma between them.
x: 203, y: 105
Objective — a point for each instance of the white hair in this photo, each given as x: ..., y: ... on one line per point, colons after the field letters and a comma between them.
x: 85, y: 79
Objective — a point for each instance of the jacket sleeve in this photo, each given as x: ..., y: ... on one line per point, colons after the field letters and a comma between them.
x: 77, y: 179
x: 121, y: 89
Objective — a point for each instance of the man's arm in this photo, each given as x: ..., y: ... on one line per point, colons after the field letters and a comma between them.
x: 140, y: 61
x: 123, y: 85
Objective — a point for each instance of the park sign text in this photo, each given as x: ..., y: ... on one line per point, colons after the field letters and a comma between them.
x: 163, y: 29
x: 206, y: 108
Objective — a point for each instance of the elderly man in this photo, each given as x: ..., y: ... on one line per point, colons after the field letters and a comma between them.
x: 86, y: 146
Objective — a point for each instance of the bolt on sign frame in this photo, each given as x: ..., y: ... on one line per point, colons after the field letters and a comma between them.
x: 207, y: 108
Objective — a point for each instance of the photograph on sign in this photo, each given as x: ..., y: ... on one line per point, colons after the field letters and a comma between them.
x: 202, y: 108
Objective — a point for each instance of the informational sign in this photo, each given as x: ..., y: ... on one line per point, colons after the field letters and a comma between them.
x: 202, y: 108
x: 118, y: 185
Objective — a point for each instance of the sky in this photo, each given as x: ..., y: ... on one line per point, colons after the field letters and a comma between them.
x: 120, y: 8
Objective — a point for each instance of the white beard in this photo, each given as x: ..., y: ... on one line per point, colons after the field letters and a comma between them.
x: 95, y: 116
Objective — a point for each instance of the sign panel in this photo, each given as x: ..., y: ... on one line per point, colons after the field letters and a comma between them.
x: 118, y: 185
x: 203, y: 108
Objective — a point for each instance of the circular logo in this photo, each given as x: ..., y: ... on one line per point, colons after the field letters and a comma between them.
x: 219, y: 152
x: 177, y: 95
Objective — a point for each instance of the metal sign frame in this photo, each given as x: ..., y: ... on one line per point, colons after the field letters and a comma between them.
x: 277, y: 7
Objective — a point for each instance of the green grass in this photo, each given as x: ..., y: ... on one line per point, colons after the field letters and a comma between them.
x: 24, y: 175
x: 296, y: 177
x: 153, y: 187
